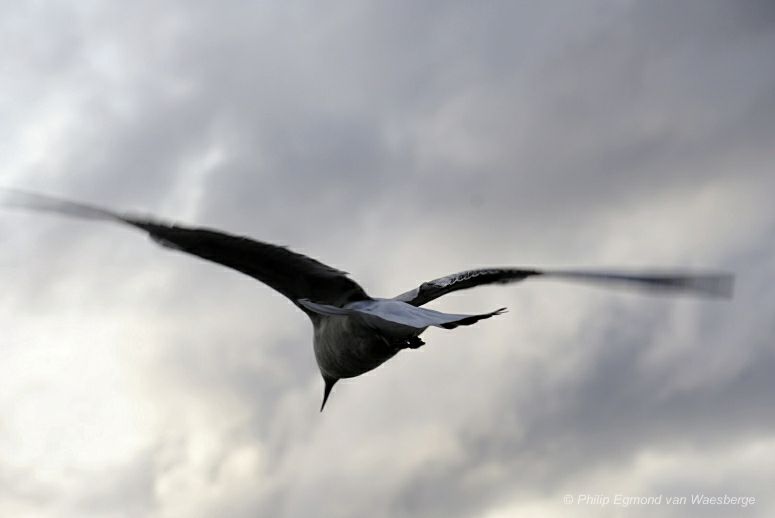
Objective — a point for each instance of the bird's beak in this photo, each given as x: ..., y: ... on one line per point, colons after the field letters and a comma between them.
x: 330, y: 382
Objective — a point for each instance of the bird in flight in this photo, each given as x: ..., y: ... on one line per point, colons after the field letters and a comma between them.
x: 354, y: 332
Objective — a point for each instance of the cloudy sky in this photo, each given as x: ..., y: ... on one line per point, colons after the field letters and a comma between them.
x: 399, y: 141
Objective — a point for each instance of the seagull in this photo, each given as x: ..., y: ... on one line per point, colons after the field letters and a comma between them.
x: 353, y: 332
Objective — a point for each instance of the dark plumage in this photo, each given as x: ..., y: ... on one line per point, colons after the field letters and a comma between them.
x: 353, y: 332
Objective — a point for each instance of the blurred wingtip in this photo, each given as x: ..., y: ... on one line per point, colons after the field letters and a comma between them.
x: 718, y: 285
x: 708, y: 283
x: 27, y: 200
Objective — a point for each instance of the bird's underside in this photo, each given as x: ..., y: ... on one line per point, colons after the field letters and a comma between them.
x: 354, y: 332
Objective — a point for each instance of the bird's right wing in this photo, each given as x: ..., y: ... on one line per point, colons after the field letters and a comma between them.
x: 712, y: 284
x: 294, y: 275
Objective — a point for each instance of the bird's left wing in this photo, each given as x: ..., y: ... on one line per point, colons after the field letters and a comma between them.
x: 294, y: 275
x: 712, y: 284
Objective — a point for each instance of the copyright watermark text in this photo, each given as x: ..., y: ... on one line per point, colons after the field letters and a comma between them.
x: 622, y: 500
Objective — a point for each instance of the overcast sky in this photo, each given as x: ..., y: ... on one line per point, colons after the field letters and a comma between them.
x: 399, y: 141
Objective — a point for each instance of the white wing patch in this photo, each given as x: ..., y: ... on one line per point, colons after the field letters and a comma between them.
x: 396, y: 317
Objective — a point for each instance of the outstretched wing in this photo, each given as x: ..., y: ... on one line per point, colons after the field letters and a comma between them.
x: 294, y: 275
x: 712, y: 284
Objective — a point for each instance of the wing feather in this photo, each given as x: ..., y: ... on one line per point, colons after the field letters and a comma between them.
x: 707, y: 283
x: 294, y: 275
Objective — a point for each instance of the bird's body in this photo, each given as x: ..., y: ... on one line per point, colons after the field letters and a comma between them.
x: 353, y: 332
x: 346, y: 347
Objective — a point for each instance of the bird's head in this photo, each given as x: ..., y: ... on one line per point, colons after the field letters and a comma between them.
x: 329, y: 384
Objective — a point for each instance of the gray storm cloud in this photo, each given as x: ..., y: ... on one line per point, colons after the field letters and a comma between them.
x: 398, y: 142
